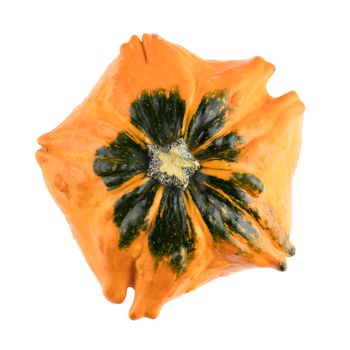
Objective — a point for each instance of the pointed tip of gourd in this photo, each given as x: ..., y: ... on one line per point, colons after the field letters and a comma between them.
x: 135, y: 315
x: 114, y: 295
x: 291, y: 250
x: 283, y: 266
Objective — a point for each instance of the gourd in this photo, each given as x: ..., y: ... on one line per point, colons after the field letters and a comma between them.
x: 174, y: 171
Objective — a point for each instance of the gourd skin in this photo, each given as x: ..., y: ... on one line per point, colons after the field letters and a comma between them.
x: 163, y: 240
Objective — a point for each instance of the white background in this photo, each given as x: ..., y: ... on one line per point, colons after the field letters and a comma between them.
x: 51, y: 55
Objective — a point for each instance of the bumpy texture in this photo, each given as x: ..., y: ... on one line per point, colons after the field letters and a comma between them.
x: 175, y: 171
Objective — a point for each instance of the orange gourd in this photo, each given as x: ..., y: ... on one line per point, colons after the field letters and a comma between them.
x: 174, y: 171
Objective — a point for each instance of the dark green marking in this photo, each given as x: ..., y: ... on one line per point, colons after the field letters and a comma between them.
x: 240, y: 188
x: 120, y: 161
x: 236, y: 194
x: 208, y: 119
x: 222, y: 218
x: 131, y: 210
x: 172, y: 234
x: 248, y: 182
x: 224, y: 147
x: 159, y: 115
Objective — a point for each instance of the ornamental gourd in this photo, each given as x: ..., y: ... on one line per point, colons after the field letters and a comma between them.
x: 174, y: 171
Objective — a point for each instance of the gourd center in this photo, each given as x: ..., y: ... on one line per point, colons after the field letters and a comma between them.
x: 172, y: 165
